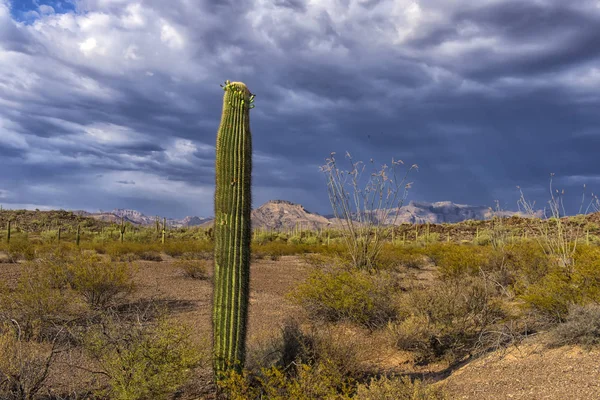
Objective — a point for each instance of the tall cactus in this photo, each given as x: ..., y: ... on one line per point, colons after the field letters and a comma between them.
x: 78, y: 236
x: 122, y: 230
x: 8, y: 232
x: 232, y: 230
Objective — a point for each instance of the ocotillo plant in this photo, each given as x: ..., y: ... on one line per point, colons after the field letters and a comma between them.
x: 78, y: 236
x: 232, y: 229
x: 8, y: 232
x: 122, y: 229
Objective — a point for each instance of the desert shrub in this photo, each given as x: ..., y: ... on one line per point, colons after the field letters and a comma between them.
x: 150, y: 256
x: 36, y: 305
x: 24, y: 365
x: 309, y: 381
x: 456, y: 260
x: 295, y: 239
x: 20, y: 248
x: 142, y: 359
x: 445, y: 319
x: 180, y: 247
x: 385, y: 388
x: 402, y: 256
x: 312, y: 241
x: 101, y: 283
x: 340, y: 347
x: 552, y: 295
x: 527, y: 262
x: 582, y: 326
x: 195, y: 269
x: 347, y: 295
x: 280, y: 249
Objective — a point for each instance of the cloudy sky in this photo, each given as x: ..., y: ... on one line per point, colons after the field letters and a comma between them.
x: 116, y: 103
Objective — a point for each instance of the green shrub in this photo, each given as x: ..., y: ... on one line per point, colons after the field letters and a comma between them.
x: 446, y: 319
x: 385, y: 388
x: 195, y: 269
x: 36, y: 305
x: 455, y: 260
x: 348, y: 295
x: 20, y: 248
x: 309, y: 382
x: 142, y: 360
x: 101, y: 283
x: 150, y: 256
x: 552, y: 295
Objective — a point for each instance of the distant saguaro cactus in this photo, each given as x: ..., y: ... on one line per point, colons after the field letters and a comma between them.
x: 78, y: 236
x: 232, y: 229
x: 122, y: 229
x: 8, y: 232
x: 164, y: 230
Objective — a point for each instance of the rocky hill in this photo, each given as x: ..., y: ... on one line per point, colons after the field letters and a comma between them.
x: 284, y: 215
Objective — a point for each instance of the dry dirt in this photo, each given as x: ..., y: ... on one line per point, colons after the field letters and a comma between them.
x: 531, y: 371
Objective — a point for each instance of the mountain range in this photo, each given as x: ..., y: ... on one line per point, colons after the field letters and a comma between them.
x: 283, y: 214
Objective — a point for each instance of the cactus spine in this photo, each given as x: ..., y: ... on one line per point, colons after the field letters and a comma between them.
x: 232, y: 229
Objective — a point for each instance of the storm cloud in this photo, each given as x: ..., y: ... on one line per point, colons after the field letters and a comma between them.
x: 116, y: 103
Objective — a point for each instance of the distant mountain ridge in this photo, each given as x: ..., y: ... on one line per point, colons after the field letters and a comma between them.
x: 283, y: 214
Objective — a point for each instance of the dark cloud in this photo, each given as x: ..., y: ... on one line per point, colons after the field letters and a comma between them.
x: 109, y: 104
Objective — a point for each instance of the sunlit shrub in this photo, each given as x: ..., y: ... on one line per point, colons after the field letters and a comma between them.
x: 445, y: 319
x: 142, y: 359
x: 347, y: 295
x: 195, y: 269
x: 101, y: 283
x: 385, y: 388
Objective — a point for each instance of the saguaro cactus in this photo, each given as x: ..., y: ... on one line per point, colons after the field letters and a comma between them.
x: 78, y: 236
x: 8, y: 232
x: 164, y: 230
x: 122, y: 229
x: 232, y: 229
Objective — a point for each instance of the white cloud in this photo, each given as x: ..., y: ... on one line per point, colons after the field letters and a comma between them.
x: 88, y: 45
x: 46, y: 9
x: 171, y: 37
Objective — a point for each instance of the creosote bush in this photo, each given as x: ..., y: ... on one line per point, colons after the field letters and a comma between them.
x: 36, y: 305
x: 339, y: 294
x: 101, y: 283
x: 195, y: 269
x: 142, y: 359
x: 24, y: 365
x: 403, y: 388
x: 445, y: 319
